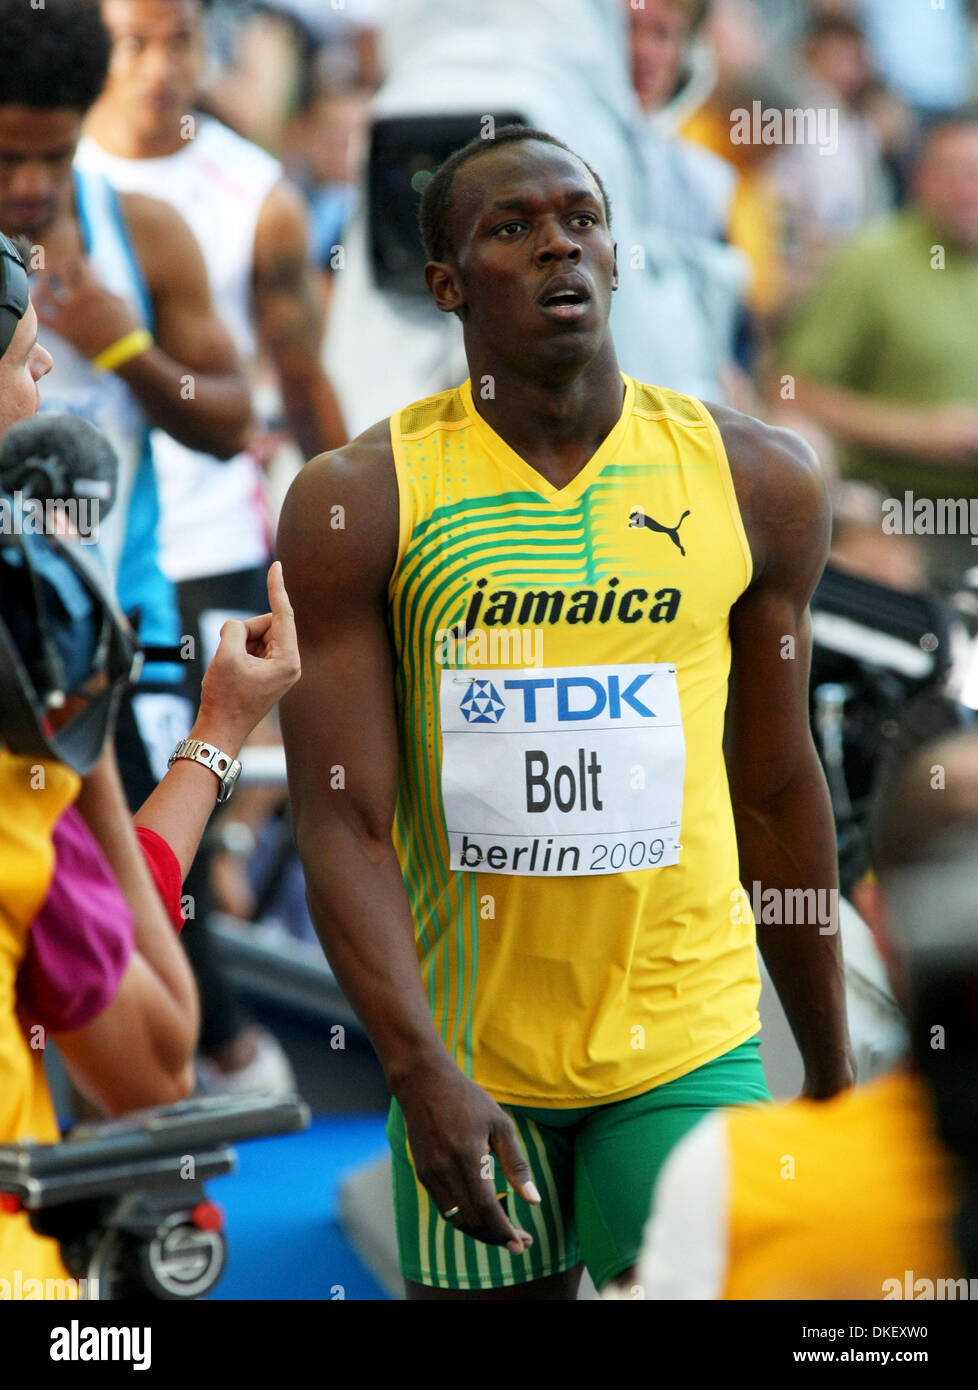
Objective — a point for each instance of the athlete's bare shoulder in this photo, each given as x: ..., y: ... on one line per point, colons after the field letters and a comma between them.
x: 780, y: 490
x: 359, y: 473
x: 338, y: 529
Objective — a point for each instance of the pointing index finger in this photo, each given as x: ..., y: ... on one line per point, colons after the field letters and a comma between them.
x: 278, y: 598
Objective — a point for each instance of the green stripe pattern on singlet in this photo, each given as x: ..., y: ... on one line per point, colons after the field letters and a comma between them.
x: 437, y: 575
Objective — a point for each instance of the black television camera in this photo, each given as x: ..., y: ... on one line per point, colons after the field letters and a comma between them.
x: 881, y: 663
x: 125, y: 1198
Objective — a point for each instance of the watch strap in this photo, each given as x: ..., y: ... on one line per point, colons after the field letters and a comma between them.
x: 226, y: 769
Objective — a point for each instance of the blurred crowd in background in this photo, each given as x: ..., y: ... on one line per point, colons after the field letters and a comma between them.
x: 836, y: 274
x: 840, y: 304
x: 794, y: 186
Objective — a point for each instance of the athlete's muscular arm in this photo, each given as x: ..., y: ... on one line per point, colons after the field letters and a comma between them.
x: 782, y: 811
x: 290, y: 321
x: 339, y: 730
x: 190, y: 382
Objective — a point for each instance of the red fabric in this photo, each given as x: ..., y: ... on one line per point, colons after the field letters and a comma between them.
x: 165, y: 868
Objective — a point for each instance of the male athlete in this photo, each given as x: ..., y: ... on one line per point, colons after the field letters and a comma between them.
x: 526, y: 877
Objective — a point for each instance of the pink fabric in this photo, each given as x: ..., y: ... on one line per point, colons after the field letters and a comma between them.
x: 80, y: 942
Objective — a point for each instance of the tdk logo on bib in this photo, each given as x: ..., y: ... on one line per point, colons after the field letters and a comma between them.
x: 481, y: 703
x: 577, y: 698
x: 561, y: 771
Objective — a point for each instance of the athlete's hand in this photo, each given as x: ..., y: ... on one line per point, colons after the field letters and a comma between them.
x: 71, y: 302
x: 256, y: 663
x: 457, y: 1135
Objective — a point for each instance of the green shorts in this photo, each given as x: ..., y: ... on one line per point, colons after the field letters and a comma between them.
x: 595, y: 1169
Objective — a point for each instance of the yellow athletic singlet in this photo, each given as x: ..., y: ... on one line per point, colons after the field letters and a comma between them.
x: 563, y: 820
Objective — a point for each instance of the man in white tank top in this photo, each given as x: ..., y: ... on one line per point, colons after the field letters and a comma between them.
x: 143, y: 134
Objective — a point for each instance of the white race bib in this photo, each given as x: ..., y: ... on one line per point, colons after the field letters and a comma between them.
x: 563, y: 771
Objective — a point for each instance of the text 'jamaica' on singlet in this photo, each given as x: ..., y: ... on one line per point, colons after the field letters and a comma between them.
x: 563, y: 821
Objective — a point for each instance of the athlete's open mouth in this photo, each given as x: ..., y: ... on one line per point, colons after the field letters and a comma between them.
x: 567, y: 296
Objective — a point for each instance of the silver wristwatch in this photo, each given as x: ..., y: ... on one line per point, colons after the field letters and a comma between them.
x: 226, y: 769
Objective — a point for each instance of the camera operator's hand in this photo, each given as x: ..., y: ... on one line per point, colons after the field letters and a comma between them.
x: 256, y: 663
x: 72, y: 303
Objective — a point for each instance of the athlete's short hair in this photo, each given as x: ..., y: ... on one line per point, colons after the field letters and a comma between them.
x: 55, y: 57
x: 435, y: 210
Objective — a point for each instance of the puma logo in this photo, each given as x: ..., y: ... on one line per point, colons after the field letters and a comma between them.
x: 639, y: 518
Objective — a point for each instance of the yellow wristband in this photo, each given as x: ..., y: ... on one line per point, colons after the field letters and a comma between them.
x: 123, y: 350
